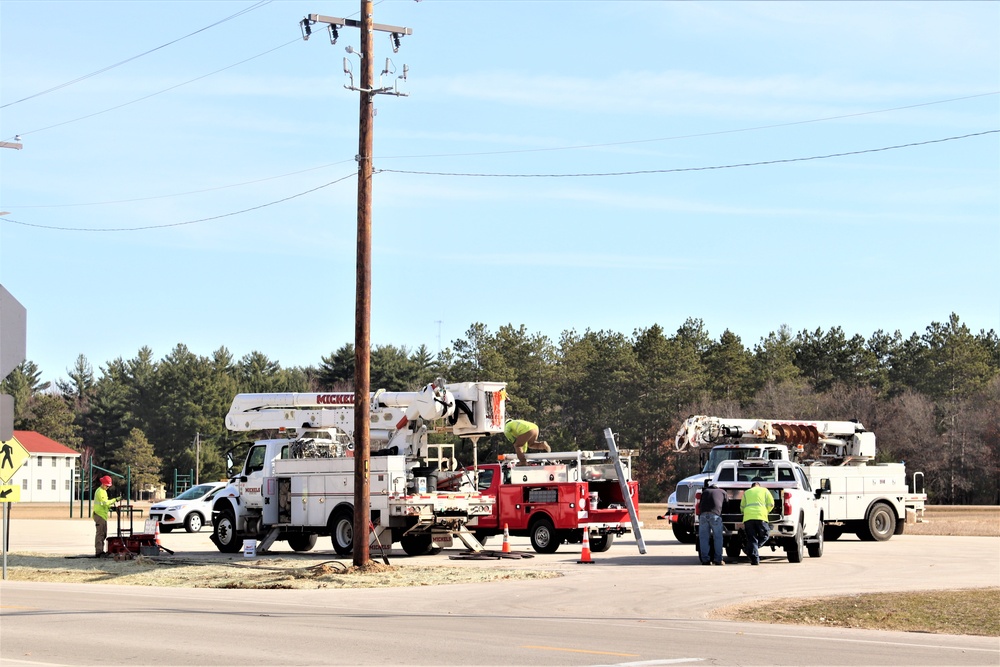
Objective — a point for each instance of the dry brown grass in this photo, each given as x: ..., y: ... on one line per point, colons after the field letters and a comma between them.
x: 958, y: 612
x: 246, y: 573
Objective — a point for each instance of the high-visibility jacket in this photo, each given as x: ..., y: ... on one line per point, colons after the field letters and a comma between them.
x: 756, y: 504
x: 102, y: 504
x: 516, y: 428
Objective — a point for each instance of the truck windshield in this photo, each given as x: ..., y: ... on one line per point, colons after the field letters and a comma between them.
x: 717, y: 456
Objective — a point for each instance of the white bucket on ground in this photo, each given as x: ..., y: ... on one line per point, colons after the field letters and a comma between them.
x: 249, y: 548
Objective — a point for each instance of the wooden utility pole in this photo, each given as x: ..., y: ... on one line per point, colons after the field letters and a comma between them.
x: 363, y: 298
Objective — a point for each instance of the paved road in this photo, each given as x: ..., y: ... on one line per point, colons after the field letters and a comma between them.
x: 625, y: 609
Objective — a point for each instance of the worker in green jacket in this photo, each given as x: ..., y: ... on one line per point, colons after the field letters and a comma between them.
x: 102, y: 507
x: 524, y: 435
x: 756, y: 504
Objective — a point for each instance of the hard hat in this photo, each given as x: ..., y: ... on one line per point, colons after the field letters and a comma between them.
x: 105, y: 480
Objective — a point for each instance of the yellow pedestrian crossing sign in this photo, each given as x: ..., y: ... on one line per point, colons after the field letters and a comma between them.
x: 12, y: 456
x: 10, y: 493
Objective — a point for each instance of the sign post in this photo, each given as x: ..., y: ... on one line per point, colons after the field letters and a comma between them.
x: 12, y: 456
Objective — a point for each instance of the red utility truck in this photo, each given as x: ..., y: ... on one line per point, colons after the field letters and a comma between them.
x: 556, y: 497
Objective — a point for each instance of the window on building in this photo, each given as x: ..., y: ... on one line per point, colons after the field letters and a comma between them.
x: 53, y: 462
x: 39, y: 485
x: 67, y: 485
x: 24, y: 484
x: 69, y: 462
x: 53, y: 485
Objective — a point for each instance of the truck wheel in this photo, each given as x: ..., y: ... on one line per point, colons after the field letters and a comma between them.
x: 601, y: 543
x: 224, y: 533
x: 302, y: 541
x: 794, y: 549
x: 416, y: 545
x: 879, y: 525
x: 683, y: 529
x: 543, y: 536
x: 815, y: 547
x: 342, y: 531
x: 832, y: 533
x: 193, y: 522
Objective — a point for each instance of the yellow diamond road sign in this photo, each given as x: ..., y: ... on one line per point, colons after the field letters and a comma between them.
x: 12, y: 456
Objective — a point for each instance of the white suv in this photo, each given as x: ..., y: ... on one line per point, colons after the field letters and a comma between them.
x: 192, y: 509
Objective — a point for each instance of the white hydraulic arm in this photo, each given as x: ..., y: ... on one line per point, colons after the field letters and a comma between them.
x: 840, y: 439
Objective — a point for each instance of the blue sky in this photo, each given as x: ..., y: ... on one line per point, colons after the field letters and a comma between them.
x: 534, y: 98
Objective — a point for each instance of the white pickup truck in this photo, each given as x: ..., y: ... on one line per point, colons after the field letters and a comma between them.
x: 796, y: 519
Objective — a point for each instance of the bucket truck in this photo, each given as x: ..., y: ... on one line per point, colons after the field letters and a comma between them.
x: 870, y: 499
x: 300, y: 486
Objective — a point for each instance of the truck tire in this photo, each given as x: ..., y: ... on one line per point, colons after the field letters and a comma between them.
x: 795, y: 548
x: 193, y: 522
x: 416, y: 545
x: 832, y: 532
x: 224, y: 533
x: 601, y: 543
x: 879, y: 524
x: 543, y: 536
x: 815, y: 547
x: 342, y: 531
x: 302, y: 541
x: 900, y: 527
x: 683, y: 529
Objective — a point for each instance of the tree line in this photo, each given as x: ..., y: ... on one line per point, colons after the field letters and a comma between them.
x: 933, y: 399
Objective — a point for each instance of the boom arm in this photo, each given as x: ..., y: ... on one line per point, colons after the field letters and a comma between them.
x: 846, y: 440
x: 468, y: 409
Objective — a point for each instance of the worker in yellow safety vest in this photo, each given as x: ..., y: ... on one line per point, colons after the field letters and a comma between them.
x: 756, y: 504
x: 102, y: 505
x: 524, y: 435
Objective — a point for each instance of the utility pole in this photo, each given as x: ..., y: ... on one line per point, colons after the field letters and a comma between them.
x: 362, y: 307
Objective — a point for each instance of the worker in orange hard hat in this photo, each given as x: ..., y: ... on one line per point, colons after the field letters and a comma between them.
x: 524, y: 435
x: 102, y: 505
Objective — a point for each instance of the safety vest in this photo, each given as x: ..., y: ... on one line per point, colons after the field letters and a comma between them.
x: 102, y: 504
x: 756, y: 504
x: 516, y: 428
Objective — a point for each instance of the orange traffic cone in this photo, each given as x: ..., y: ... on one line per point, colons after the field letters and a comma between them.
x: 156, y: 533
x: 506, y: 541
x: 585, y: 553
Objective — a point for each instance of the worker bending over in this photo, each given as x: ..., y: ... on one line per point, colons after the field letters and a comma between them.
x: 524, y: 435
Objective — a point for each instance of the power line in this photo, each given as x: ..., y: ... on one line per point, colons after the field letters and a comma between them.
x: 182, y: 194
x: 683, y: 169
x: 527, y: 150
x: 179, y: 224
x: 256, y: 5
x: 433, y: 173
x: 159, y: 92
x: 700, y: 134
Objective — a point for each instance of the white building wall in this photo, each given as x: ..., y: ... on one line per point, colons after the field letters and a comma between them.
x: 46, y: 478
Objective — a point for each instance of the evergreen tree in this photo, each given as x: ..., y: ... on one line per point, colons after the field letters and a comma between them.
x: 336, y: 372
x: 137, y: 455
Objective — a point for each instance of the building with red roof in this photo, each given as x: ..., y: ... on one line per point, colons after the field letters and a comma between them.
x: 49, y: 475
